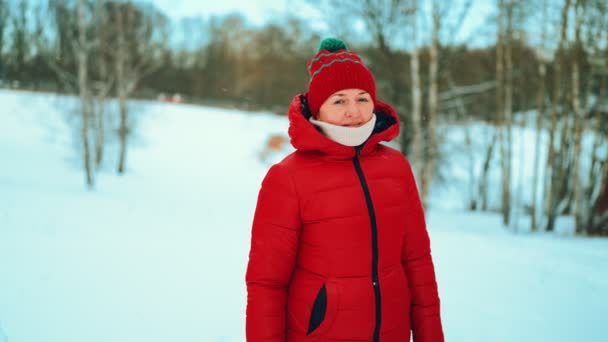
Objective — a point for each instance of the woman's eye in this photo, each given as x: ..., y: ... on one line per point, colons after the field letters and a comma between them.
x: 338, y: 101
x: 363, y: 100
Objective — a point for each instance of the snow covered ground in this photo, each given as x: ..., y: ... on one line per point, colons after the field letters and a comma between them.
x: 159, y: 254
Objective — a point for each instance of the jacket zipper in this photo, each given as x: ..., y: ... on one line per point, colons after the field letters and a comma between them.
x: 374, y: 228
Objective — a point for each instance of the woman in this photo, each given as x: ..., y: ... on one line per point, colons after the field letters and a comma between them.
x: 339, y: 248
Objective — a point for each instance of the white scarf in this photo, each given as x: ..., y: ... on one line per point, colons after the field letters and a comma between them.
x: 348, y: 136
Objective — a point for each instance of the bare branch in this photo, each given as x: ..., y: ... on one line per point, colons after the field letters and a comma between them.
x: 458, y: 91
x: 69, y: 79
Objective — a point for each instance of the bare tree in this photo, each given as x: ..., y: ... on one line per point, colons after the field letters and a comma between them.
x: 384, y: 20
x: 562, y: 176
x: 102, y: 85
x: 595, y: 219
x: 482, y: 192
x: 578, y: 113
x: 20, y: 41
x: 465, y: 118
x: 81, y: 49
x: 82, y: 29
x: 4, y: 13
x: 500, y: 106
x: 134, y: 54
x: 550, y: 182
x: 417, y: 143
x: 507, y: 146
x: 433, y: 105
x: 63, y: 60
x: 38, y: 68
x: 455, y: 98
x: 74, y: 43
x: 123, y: 88
x: 589, y: 207
x: 540, y: 112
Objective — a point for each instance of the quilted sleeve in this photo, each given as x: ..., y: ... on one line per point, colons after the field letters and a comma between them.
x: 274, y: 241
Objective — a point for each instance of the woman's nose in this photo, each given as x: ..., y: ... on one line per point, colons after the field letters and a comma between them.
x: 351, y: 110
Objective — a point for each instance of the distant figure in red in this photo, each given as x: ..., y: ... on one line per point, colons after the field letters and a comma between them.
x: 339, y: 246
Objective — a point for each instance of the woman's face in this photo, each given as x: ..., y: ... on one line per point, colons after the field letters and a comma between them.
x: 347, y: 107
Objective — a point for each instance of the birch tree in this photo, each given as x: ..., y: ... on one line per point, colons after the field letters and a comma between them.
x: 19, y: 27
x: 540, y: 113
x: 433, y: 107
x: 74, y: 43
x: 507, y: 141
x: 417, y: 142
x: 589, y: 209
x: 102, y: 85
x: 594, y: 219
x: 4, y: 13
x: 77, y: 38
x: 550, y: 183
x: 136, y: 46
x: 578, y: 113
x: 500, y: 107
x: 81, y: 50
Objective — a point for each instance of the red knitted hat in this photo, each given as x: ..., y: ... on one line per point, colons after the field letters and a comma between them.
x: 334, y: 68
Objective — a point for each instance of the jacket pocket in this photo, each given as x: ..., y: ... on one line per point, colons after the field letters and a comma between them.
x: 318, y: 311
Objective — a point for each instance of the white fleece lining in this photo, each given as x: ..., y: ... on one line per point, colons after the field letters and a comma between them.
x: 348, y: 136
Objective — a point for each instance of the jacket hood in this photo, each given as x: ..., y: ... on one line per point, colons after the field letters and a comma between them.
x: 306, y: 137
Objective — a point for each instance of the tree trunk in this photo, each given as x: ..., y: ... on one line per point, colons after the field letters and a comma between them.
x: 468, y: 143
x: 84, y: 94
x: 550, y: 209
x: 599, y: 219
x: 506, y: 147
x: 578, y: 119
x: 500, y: 108
x: 99, y: 132
x: 431, y: 144
x: 468, y: 140
x: 4, y: 13
x: 594, y: 190
x: 563, y: 161
x: 136, y: 45
x: 104, y: 84
x: 416, y: 100
x: 540, y: 112
x: 542, y: 70
x: 483, y: 182
x: 20, y: 31
x: 123, y: 133
x: 121, y: 87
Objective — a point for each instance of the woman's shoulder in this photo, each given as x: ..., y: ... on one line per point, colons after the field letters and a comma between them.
x: 392, y: 153
x: 290, y: 163
x: 297, y: 160
x: 395, y: 160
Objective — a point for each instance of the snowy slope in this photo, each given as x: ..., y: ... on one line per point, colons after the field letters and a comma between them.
x: 160, y: 253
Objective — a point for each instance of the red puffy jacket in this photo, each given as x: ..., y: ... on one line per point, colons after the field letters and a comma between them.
x: 339, y: 247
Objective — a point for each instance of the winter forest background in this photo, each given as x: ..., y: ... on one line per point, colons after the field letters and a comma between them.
x: 133, y: 143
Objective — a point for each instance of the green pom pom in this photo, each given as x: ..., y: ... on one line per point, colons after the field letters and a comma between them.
x: 332, y: 45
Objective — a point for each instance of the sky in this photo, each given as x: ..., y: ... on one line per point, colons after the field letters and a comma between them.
x: 258, y: 12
